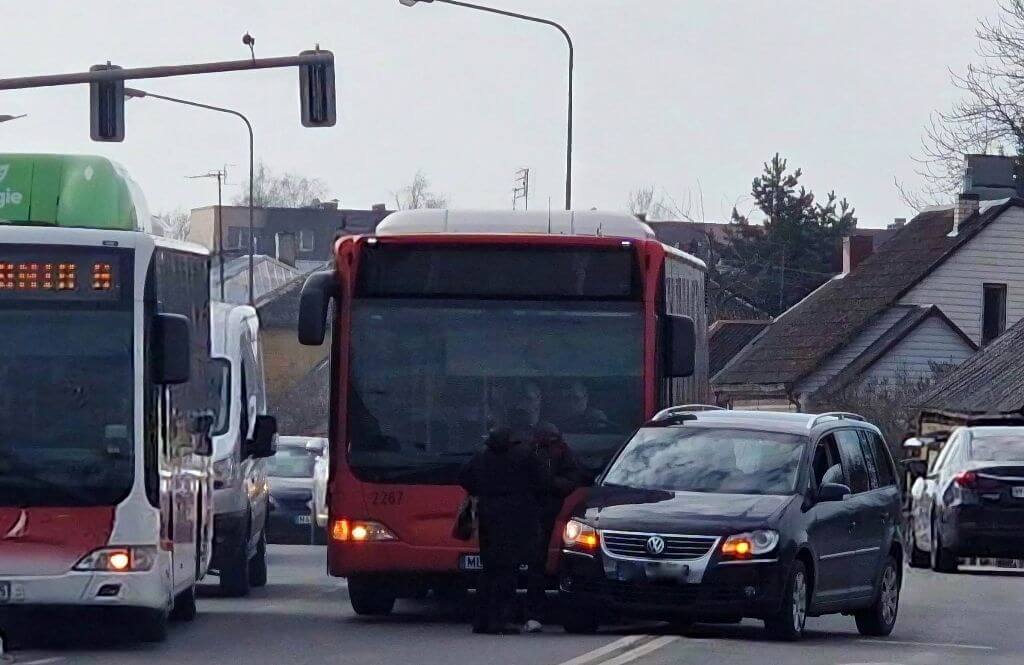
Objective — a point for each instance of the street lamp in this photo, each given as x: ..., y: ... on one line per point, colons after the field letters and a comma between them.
x: 5, y: 118
x: 133, y: 93
x: 568, y: 40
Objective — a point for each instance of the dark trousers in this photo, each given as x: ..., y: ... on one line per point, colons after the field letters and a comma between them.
x: 536, y: 579
x: 496, y: 593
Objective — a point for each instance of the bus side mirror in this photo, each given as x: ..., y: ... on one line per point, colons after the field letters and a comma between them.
x: 680, y: 345
x: 171, y: 349
x: 316, y: 296
x: 263, y: 442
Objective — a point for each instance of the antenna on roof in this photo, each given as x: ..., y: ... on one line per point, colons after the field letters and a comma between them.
x: 549, y: 214
x: 572, y: 222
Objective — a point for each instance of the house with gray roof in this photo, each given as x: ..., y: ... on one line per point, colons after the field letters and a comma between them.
x: 942, y: 286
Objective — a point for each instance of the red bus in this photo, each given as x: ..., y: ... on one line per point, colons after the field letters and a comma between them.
x: 448, y: 323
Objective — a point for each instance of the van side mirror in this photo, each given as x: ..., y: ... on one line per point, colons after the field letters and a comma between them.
x: 314, y: 301
x: 679, y: 347
x: 832, y: 492
x: 171, y: 349
x: 264, y: 438
x: 220, y: 395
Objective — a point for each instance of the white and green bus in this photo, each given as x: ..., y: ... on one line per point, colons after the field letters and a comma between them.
x: 108, y: 403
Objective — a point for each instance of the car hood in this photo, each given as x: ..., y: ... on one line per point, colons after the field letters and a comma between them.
x: 627, y: 509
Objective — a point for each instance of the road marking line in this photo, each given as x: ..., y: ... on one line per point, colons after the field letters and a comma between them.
x: 41, y: 661
x: 617, y: 645
x: 641, y: 650
x: 943, y: 645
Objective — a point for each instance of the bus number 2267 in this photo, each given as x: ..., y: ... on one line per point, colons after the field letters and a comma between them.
x: 386, y: 498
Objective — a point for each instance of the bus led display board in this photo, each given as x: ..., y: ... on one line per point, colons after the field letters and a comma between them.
x: 59, y: 274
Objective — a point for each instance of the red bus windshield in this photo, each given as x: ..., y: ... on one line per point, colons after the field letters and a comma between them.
x: 430, y: 377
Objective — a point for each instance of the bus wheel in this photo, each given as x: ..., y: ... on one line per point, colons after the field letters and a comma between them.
x: 151, y: 626
x: 368, y: 599
x: 258, y: 563
x: 185, y: 605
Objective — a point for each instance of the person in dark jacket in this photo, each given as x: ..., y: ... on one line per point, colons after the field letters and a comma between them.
x: 563, y: 474
x: 507, y: 479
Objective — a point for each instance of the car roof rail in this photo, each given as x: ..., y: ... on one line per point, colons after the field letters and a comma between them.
x: 681, y: 409
x: 838, y: 415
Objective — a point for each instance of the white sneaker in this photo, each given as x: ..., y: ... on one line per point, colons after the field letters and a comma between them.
x: 533, y: 626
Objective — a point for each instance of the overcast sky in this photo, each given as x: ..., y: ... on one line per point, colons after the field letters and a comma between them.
x: 668, y: 93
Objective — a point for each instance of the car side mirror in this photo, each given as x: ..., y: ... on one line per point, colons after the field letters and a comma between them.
x: 264, y: 438
x: 317, y: 292
x: 832, y: 492
x: 679, y: 346
x: 916, y: 468
x: 171, y: 349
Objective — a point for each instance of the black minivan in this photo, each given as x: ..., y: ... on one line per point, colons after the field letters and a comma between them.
x: 718, y: 515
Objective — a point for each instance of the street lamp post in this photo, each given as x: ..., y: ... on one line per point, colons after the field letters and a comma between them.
x: 568, y: 40
x: 135, y: 93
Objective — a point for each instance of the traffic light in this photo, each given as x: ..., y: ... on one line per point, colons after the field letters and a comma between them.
x: 316, y: 91
x: 106, y: 107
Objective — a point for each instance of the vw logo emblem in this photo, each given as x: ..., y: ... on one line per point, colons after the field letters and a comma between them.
x: 655, y: 545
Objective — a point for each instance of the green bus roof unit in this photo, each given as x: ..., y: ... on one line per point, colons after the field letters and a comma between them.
x: 81, y: 191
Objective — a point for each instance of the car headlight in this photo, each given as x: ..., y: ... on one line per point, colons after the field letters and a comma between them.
x: 346, y: 530
x: 119, y: 559
x: 750, y: 544
x: 578, y: 535
x: 225, y: 472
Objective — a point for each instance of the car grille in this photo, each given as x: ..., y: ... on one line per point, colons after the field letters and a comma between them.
x: 677, y: 548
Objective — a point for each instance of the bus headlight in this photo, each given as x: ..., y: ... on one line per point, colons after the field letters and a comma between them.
x: 118, y: 559
x: 751, y: 543
x: 578, y: 535
x: 346, y: 530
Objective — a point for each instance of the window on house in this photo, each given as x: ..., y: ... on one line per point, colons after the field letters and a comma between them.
x: 993, y: 316
x: 305, y: 241
x: 235, y: 237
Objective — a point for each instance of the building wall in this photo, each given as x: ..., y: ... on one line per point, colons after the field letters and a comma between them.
x: 996, y: 255
x: 286, y: 361
x: 839, y: 360
x: 933, y: 341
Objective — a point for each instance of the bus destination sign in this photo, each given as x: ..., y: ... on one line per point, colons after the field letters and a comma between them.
x: 53, y: 275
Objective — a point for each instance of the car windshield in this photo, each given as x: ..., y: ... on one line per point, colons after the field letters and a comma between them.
x: 718, y: 460
x: 291, y: 462
x: 998, y: 447
x: 430, y: 377
x: 66, y: 405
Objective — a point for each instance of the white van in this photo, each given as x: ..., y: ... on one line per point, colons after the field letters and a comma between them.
x: 240, y: 488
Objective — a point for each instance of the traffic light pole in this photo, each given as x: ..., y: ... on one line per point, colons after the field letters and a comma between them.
x: 100, y: 76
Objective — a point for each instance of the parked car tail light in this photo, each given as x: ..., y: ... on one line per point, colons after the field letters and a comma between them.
x: 346, y: 530
x: 119, y: 559
x: 966, y: 479
x: 750, y: 544
x: 579, y: 536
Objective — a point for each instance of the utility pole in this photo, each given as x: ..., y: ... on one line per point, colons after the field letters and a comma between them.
x: 521, y: 190
x: 221, y: 175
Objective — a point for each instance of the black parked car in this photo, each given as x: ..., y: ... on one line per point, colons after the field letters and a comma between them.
x: 970, y: 503
x: 290, y: 473
x: 720, y: 515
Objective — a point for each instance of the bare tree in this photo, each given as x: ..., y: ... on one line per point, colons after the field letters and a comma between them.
x: 173, y: 224
x: 417, y: 195
x: 648, y: 203
x: 286, y: 190
x: 990, y: 114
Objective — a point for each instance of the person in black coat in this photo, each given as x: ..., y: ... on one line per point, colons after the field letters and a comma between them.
x: 507, y: 479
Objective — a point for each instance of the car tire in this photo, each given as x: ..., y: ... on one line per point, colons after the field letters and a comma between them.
x: 879, y: 619
x: 788, y: 623
x: 577, y: 622
x: 258, y: 563
x: 942, y: 560
x: 918, y: 557
x: 184, y: 605
x: 151, y: 627
x: 234, y: 572
x: 368, y: 599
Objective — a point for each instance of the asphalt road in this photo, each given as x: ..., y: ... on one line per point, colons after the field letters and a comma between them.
x: 303, y: 616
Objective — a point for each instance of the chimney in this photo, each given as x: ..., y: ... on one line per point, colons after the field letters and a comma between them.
x: 966, y: 205
x: 856, y: 248
x: 328, y: 205
x: 284, y: 248
x: 897, y: 223
x: 378, y: 207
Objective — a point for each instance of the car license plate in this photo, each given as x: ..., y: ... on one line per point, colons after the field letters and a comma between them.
x: 5, y: 592
x: 1018, y: 492
x: 470, y: 562
x: 302, y: 519
x: 653, y: 571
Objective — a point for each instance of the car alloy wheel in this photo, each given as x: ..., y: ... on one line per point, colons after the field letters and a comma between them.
x: 890, y: 595
x: 799, y: 602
